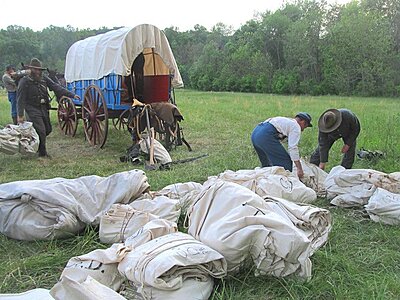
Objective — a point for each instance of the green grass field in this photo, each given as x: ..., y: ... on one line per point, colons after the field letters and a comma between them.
x: 360, y: 261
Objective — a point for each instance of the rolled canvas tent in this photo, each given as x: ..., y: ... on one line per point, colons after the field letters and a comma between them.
x: 115, y: 51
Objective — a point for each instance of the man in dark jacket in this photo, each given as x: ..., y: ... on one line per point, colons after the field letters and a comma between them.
x: 333, y: 125
x: 33, y: 99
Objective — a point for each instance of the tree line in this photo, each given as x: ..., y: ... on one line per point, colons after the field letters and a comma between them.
x: 305, y: 47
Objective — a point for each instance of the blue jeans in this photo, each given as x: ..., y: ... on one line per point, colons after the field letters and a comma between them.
x: 12, y: 97
x: 265, y: 139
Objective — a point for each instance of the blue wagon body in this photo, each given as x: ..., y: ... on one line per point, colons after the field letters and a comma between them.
x: 110, y: 85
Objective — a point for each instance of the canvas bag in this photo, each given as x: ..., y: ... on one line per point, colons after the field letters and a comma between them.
x: 59, y: 207
x: 102, y: 264
x: 185, y: 192
x: 384, y: 206
x: 315, y: 222
x: 35, y: 294
x: 354, y: 187
x: 21, y: 138
x: 120, y: 222
x: 83, y: 289
x: 269, y: 181
x: 161, y: 206
x: 161, y: 154
x: 314, y: 177
x: 166, y: 262
x: 237, y: 223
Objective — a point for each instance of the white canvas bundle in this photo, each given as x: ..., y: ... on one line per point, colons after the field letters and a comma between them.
x: 101, y: 265
x: 384, y: 206
x: 270, y: 181
x: 354, y: 187
x: 314, y: 177
x: 120, y: 222
x: 35, y: 294
x: 161, y: 155
x: 168, y: 262
x: 83, y: 289
x: 239, y: 224
x: 150, y: 231
x: 51, y: 208
x: 161, y: 206
x: 185, y: 192
x: 19, y: 139
x: 315, y: 222
x: 191, y: 289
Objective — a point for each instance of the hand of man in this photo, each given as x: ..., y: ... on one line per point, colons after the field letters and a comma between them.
x: 300, y: 173
x: 77, y: 97
x: 322, y: 166
x: 345, y: 148
x: 20, y: 120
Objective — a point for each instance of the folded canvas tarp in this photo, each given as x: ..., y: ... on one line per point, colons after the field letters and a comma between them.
x: 171, y: 265
x: 384, y: 206
x: 101, y: 265
x: 269, y: 181
x: 87, y: 288
x: 120, y: 222
x: 59, y: 207
x: 277, y: 235
x: 161, y: 206
x: 314, y: 177
x: 19, y: 139
x: 35, y: 294
x: 354, y: 187
x: 185, y: 192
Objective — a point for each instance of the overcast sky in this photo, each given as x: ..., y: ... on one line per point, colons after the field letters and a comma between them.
x: 184, y: 14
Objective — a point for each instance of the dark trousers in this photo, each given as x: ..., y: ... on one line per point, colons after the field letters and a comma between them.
x: 348, y: 157
x: 40, y: 118
x: 265, y: 139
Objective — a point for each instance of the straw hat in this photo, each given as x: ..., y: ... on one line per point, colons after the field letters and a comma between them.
x: 330, y: 120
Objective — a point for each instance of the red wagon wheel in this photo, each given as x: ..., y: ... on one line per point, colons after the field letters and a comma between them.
x: 67, y: 116
x: 121, y: 123
x: 95, y: 116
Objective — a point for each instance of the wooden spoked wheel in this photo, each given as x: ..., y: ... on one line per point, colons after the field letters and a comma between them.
x: 121, y: 123
x: 67, y: 116
x: 95, y: 116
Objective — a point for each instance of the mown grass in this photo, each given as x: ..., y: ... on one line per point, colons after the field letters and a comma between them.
x: 360, y: 261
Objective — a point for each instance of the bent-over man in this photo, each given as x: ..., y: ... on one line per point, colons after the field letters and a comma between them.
x: 267, y: 137
x: 334, y: 124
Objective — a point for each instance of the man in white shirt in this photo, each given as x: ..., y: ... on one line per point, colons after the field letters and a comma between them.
x: 267, y: 137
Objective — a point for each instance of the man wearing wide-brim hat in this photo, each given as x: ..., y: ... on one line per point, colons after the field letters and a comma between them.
x: 34, y: 100
x: 336, y: 124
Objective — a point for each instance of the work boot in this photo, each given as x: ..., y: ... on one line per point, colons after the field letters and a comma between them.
x: 15, y: 120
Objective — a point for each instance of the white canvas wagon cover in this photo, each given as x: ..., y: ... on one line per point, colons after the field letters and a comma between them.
x: 115, y: 51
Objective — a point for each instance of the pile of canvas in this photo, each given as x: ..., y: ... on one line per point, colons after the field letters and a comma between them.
x: 314, y: 177
x: 59, y: 207
x: 185, y: 193
x: 122, y: 220
x: 19, y: 139
x: 269, y: 182
x: 354, y: 187
x: 159, y: 262
x: 277, y: 235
